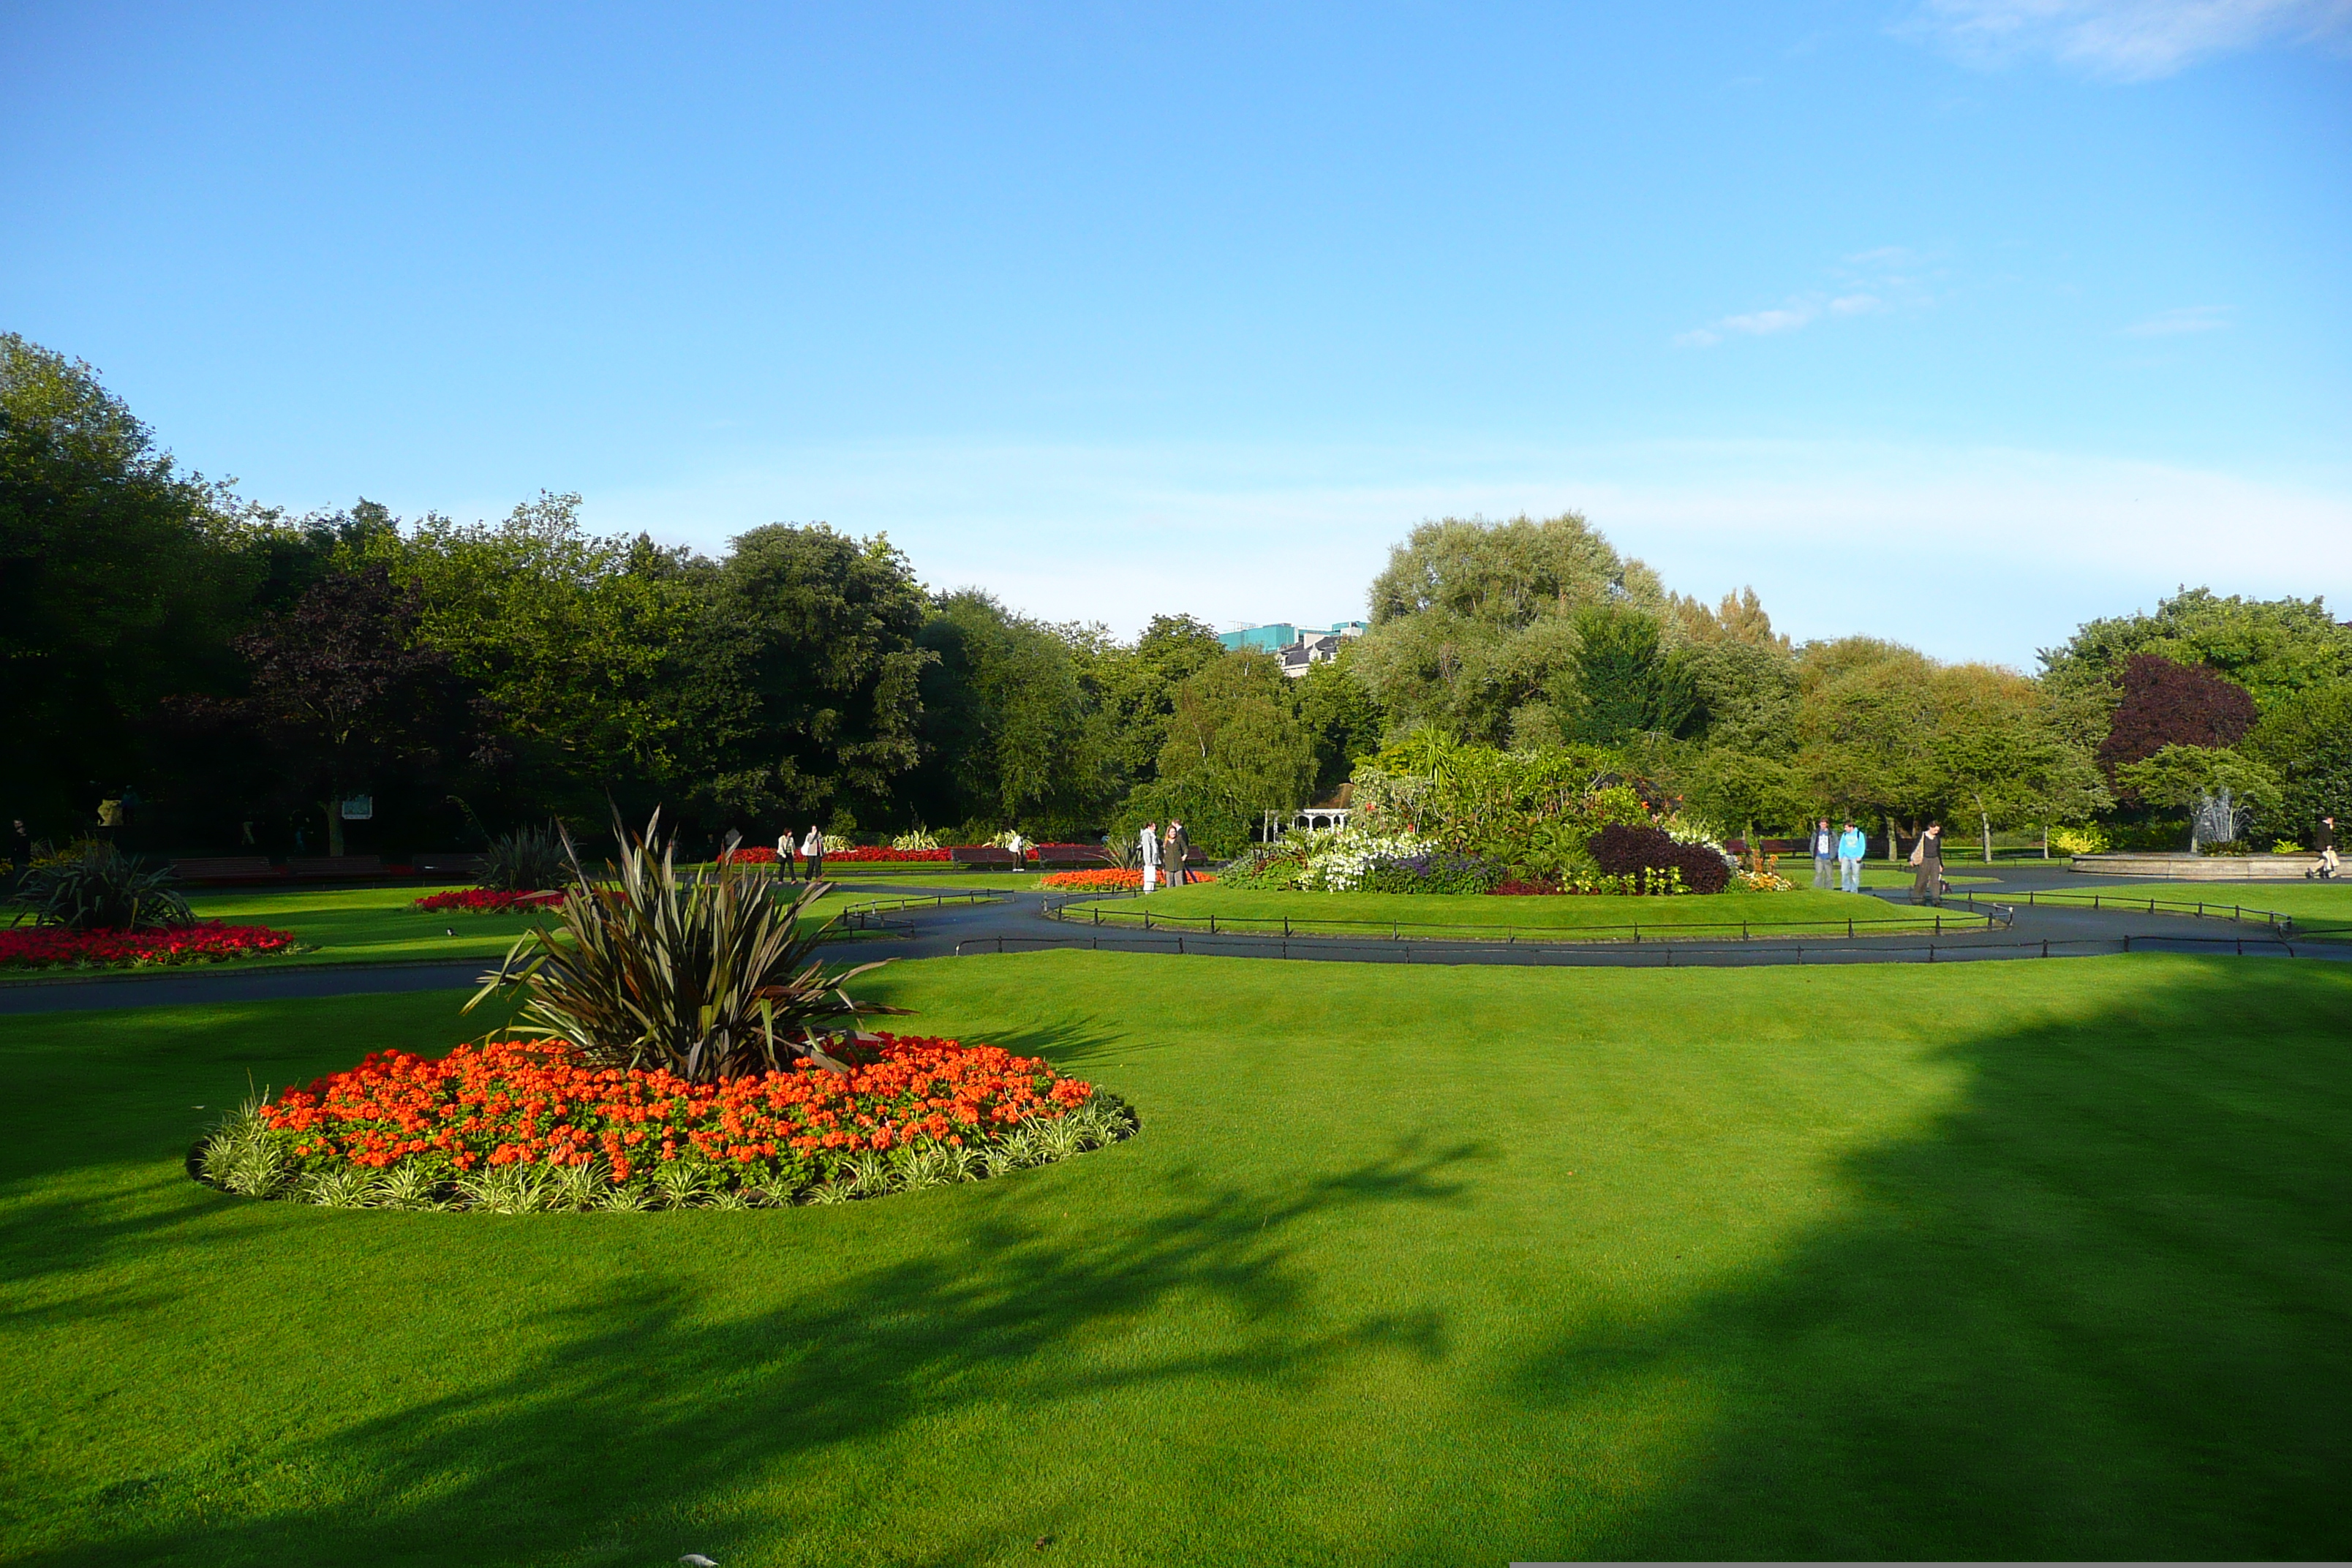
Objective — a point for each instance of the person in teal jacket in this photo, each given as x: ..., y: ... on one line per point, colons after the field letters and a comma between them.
x: 1851, y: 848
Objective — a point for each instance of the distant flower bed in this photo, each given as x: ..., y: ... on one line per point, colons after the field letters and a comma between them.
x: 511, y: 1125
x: 487, y: 901
x: 747, y: 855
x: 877, y: 852
x: 1110, y: 876
x: 55, y: 947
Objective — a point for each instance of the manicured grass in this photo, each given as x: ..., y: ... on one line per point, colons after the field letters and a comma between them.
x: 883, y: 880
x: 2320, y: 909
x: 1600, y: 916
x: 1433, y: 1266
x: 358, y: 925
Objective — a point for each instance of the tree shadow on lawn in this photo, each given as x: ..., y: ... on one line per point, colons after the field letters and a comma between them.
x: 645, y: 1419
x: 2103, y: 1308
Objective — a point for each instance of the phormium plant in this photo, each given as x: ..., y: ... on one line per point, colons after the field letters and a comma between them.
x: 708, y: 975
x: 101, y: 889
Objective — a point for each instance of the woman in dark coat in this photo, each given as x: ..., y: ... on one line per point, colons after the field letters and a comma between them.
x: 1927, y: 854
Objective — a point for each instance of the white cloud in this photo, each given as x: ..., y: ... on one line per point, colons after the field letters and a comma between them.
x: 1864, y: 284
x: 2131, y: 40
x: 2186, y: 319
x: 1762, y: 324
x: 1838, y: 538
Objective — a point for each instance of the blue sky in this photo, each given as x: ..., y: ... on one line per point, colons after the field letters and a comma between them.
x: 1950, y: 321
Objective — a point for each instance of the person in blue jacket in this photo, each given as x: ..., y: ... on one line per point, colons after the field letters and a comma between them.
x: 1851, y: 848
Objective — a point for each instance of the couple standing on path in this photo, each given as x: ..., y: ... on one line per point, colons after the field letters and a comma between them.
x: 1170, y: 850
x: 1848, y: 847
x: 812, y: 849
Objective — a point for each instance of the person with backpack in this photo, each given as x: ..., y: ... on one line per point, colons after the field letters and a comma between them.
x: 1850, y: 848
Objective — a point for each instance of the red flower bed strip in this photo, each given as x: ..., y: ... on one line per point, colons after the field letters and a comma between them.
x: 539, y: 1102
x: 748, y: 855
x: 54, y: 947
x: 487, y: 901
x: 1110, y: 876
x: 879, y: 852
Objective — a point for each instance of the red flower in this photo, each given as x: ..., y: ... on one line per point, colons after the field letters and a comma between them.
x: 487, y: 901
x: 207, y: 941
x: 512, y: 1102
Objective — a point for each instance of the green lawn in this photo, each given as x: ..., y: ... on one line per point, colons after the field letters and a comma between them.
x: 1434, y: 1266
x: 359, y: 925
x: 1803, y: 912
x: 2318, y: 907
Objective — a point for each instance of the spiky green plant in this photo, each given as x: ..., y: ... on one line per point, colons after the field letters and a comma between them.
x: 710, y: 976
x: 101, y: 888
x: 527, y: 859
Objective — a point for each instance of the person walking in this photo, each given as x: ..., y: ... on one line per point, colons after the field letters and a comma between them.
x: 813, y: 853
x: 1180, y: 850
x: 1927, y: 857
x: 1824, y: 851
x: 1146, y: 844
x: 1850, y: 848
x: 2325, y: 842
x: 784, y: 855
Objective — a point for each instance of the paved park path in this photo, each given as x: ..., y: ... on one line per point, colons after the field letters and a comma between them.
x: 1016, y: 923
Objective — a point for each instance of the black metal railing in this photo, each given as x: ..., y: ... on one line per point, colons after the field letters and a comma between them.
x: 869, y: 916
x: 1663, y: 955
x: 2277, y: 921
x: 1287, y: 927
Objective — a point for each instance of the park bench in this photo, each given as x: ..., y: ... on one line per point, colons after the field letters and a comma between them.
x: 226, y: 868
x: 1068, y: 857
x: 984, y: 856
x: 336, y: 868
x: 459, y: 866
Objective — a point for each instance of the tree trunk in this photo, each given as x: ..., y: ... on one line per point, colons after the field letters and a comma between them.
x: 2045, y: 841
x: 1986, y: 821
x: 1891, y: 852
x: 335, y: 827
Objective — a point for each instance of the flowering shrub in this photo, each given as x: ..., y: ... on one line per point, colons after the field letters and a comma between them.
x: 1341, y: 864
x: 1109, y: 876
x: 55, y: 947
x: 439, y: 1129
x: 2089, y: 841
x: 1433, y: 871
x: 1658, y: 862
x: 1763, y: 882
x: 487, y: 901
x: 869, y: 853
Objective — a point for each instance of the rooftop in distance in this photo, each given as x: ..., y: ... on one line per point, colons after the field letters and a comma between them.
x: 1296, y: 646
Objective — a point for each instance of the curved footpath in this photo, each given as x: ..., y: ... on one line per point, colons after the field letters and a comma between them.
x: 1016, y: 923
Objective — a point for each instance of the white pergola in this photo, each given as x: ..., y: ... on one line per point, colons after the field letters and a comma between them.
x: 1315, y: 816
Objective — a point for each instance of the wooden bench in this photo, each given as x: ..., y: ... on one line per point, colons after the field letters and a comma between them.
x: 1070, y: 857
x: 984, y: 856
x: 462, y: 866
x: 226, y: 868
x: 336, y: 868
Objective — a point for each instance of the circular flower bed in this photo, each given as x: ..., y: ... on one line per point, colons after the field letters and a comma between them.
x: 1110, y: 877
x: 487, y: 901
x: 517, y: 1126
x: 206, y: 942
